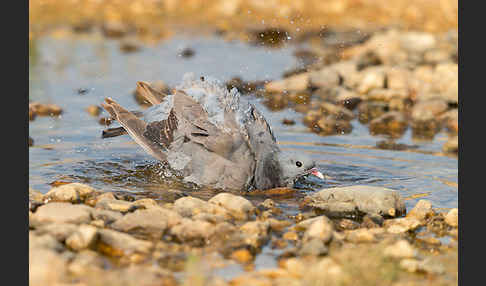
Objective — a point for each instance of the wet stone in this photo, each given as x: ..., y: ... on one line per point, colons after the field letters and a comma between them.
x: 189, y: 230
x: 94, y: 110
x: 336, y: 111
x: 36, y: 199
x: 313, y: 247
x: 356, y: 201
x: 46, y: 267
x: 452, y: 145
x: 330, y: 126
x: 319, y: 228
x: 371, y: 78
x: 45, y: 109
x: 326, y: 77
x: 189, y: 206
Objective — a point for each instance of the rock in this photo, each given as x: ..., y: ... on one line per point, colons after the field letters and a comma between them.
x: 84, y: 237
x: 237, y: 206
x: 451, y: 121
x: 356, y: 201
x: 46, y: 267
x: 92, y: 200
x: 189, y: 230
x: 73, y: 192
x: 392, y: 123
x: 372, y: 221
x: 45, y: 109
x: 371, y: 78
x: 250, y: 279
x: 114, y: 29
x: 363, y: 235
x: 130, y: 45
x: 61, y: 213
x: 189, y: 206
x: 344, y: 224
x: 290, y: 235
x: 115, y: 205
x: 410, y: 265
x: 398, y: 78
x: 326, y: 77
x: 255, y: 232
x: 330, y: 126
x: 94, y: 110
x: 428, y: 110
x: 417, y: 42
x: 242, y: 256
x: 114, y: 243
x: 422, y: 210
x: 452, y: 217
x: 86, y: 262
x: 294, y: 266
x: 313, y: 247
x: 278, y: 225
x: 287, y: 121
x: 60, y: 231
x: 326, y: 269
x: 299, y: 82
x: 401, y: 225
x: 153, y: 221
x: 400, y: 249
x: 319, y: 228
x: 145, y: 203
x: 105, y: 215
x: 43, y: 241
x: 452, y: 145
x: 369, y: 110
x: 36, y: 199
x: 336, y: 111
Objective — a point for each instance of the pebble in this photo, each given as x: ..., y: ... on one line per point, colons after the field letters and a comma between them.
x: 452, y: 217
x: 451, y: 145
x: 59, y: 231
x: 428, y: 110
x: 400, y: 249
x: 46, y: 267
x: 369, y: 110
x: 105, y: 216
x: 189, y: 230
x: 73, y: 192
x: 326, y: 77
x: 371, y: 78
x: 336, y: 111
x: 313, y: 247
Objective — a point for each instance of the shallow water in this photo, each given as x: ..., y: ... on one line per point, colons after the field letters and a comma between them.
x: 70, y: 148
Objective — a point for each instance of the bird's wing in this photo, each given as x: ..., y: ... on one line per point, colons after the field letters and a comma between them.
x: 149, y: 93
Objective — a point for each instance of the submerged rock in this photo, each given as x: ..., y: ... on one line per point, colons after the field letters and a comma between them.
x: 356, y: 201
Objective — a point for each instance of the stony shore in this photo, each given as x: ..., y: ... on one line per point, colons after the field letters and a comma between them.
x: 82, y: 236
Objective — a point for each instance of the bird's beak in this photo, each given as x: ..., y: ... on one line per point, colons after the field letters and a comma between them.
x: 316, y: 173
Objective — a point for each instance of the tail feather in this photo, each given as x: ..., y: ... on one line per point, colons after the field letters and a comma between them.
x: 113, y: 132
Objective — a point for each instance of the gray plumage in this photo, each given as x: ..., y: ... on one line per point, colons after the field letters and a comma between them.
x: 209, y: 135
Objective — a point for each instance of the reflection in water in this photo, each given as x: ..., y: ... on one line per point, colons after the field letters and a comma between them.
x: 70, y: 148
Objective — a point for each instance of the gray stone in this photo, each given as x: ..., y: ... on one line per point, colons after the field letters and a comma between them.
x: 237, y: 206
x: 357, y: 200
x: 61, y: 213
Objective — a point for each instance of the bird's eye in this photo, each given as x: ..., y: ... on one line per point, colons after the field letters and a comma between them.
x: 298, y: 164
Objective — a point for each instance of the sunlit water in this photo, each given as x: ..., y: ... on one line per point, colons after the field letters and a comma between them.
x: 70, y: 148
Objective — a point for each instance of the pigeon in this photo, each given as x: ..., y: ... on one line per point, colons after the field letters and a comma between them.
x: 210, y: 136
